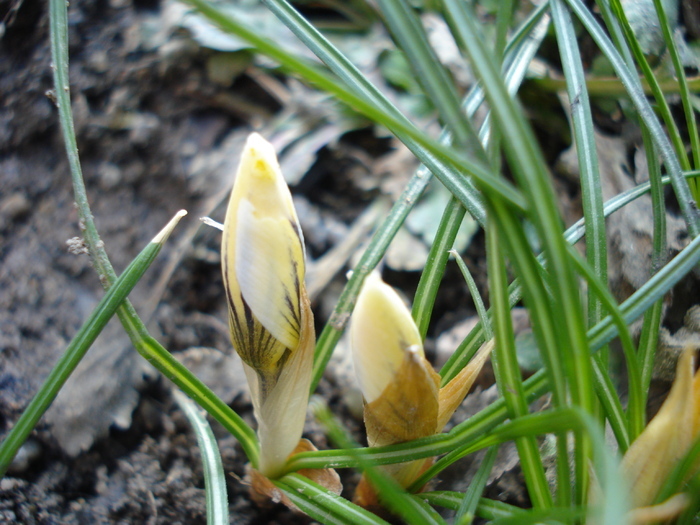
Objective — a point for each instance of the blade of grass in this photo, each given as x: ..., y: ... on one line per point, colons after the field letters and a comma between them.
x: 652, y: 318
x: 688, y: 110
x: 582, y: 123
x: 487, y: 508
x: 322, y: 505
x: 507, y: 369
x: 636, y: 94
x: 431, y: 276
x: 504, y: 17
x: 519, y: 53
x: 553, y: 515
x: 148, y: 347
x: 661, y: 104
x: 408, y: 32
x: 635, y: 404
x: 470, y: 501
x: 393, y: 497
x: 214, y: 477
x: 80, y: 344
x: 476, y: 296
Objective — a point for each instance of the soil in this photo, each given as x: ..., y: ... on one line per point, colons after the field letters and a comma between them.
x: 156, y: 134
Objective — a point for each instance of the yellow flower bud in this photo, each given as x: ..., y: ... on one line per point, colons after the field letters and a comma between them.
x: 381, y: 334
x: 403, y: 400
x: 667, y: 437
x: 269, y: 314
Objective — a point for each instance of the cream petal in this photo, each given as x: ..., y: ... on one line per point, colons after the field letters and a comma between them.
x: 270, y: 268
x: 381, y: 332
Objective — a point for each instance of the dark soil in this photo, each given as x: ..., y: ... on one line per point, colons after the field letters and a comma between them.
x: 140, y: 120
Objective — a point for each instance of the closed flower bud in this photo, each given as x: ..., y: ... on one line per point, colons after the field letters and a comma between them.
x: 403, y: 400
x: 666, y: 439
x: 269, y: 314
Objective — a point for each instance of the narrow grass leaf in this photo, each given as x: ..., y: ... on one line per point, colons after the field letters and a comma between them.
x: 146, y: 345
x: 519, y: 53
x: 636, y: 93
x: 470, y: 501
x: 408, y: 32
x: 322, y: 505
x: 688, y: 110
x: 80, y: 344
x: 507, y: 369
x: 661, y: 104
x: 487, y: 508
x: 476, y: 296
x: 584, y: 139
x: 214, y: 477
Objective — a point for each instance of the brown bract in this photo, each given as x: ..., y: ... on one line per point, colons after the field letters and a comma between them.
x: 263, y: 491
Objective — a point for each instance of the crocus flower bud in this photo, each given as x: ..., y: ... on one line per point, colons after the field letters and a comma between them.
x: 403, y: 399
x: 382, y: 334
x: 666, y: 439
x: 269, y: 314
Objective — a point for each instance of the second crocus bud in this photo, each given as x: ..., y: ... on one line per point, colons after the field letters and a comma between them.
x: 269, y: 313
x: 663, y: 443
x: 403, y: 398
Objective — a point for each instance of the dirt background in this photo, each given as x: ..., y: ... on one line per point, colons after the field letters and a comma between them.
x: 159, y: 130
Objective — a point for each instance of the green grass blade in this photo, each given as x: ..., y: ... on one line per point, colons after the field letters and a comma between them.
x: 470, y: 501
x: 611, y: 405
x: 214, y: 477
x: 582, y: 123
x: 324, y: 506
x: 519, y: 54
x: 487, y: 508
x: 661, y: 104
x: 606, y: 392
x: 80, y: 344
x: 408, y: 32
x: 688, y: 110
x: 361, y: 93
x: 430, y: 278
x: 507, y: 369
x: 652, y: 318
x: 636, y: 94
x: 476, y: 296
